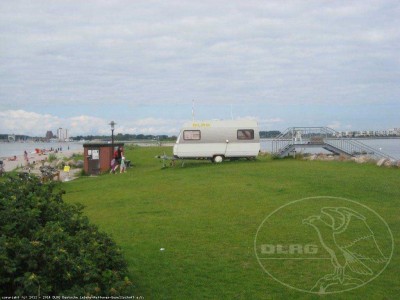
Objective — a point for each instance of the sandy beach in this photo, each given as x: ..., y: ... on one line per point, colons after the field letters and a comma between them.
x: 10, y: 165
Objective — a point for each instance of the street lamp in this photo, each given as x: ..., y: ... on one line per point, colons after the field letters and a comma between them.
x: 112, y: 124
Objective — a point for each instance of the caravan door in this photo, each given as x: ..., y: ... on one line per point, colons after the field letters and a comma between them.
x: 245, y: 144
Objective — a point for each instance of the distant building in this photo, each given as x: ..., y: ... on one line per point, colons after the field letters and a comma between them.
x: 62, y: 134
x: 49, y: 135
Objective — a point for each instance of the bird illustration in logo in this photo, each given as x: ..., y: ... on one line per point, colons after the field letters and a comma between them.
x: 351, y: 244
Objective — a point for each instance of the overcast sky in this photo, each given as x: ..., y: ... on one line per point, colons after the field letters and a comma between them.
x: 81, y: 64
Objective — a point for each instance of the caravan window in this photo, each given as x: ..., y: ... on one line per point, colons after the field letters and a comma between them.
x: 245, y: 134
x: 191, y: 135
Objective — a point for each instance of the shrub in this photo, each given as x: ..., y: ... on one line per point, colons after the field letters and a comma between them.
x: 48, y: 247
x: 52, y: 157
x: 77, y: 156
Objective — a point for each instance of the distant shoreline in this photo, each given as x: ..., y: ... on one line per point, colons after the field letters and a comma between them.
x: 355, y: 138
x: 153, y: 142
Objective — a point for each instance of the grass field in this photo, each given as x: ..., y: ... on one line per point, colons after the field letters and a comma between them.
x: 206, y: 216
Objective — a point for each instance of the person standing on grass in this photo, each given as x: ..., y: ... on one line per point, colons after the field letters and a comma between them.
x: 113, y: 164
x: 118, y: 156
x: 122, y: 168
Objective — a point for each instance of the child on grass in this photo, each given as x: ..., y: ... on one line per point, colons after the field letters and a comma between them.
x: 113, y: 164
x: 122, y: 168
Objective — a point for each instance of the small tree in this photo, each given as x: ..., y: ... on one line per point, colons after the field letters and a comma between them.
x: 48, y: 247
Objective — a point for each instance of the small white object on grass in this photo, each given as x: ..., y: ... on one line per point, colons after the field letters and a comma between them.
x: 162, y: 249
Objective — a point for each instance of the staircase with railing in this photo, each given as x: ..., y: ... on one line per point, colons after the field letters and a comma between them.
x: 322, y: 137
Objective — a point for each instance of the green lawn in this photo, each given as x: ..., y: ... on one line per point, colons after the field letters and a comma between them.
x: 206, y: 217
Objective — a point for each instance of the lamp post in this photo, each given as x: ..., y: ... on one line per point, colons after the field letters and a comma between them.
x: 112, y: 124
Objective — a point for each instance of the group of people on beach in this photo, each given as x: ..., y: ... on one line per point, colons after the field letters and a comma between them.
x: 14, y: 158
x: 118, y: 161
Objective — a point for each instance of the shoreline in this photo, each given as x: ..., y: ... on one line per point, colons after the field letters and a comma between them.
x: 11, y: 165
x: 352, y: 138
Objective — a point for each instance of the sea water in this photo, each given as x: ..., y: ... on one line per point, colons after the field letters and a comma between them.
x: 18, y: 148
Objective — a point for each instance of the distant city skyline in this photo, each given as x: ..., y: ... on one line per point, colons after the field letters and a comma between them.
x: 80, y: 65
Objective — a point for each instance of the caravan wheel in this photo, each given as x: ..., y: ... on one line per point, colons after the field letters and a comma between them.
x: 218, y: 159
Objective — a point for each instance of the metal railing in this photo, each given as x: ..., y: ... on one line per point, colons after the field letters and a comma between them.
x: 323, y: 137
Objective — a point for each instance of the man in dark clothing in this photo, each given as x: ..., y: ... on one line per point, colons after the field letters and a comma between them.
x: 117, y: 156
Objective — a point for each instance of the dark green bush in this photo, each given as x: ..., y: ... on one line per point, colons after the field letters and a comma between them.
x: 48, y: 247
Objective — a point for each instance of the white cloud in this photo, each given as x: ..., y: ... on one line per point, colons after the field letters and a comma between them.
x: 153, y: 121
x: 23, y: 122
x: 34, y: 124
x: 31, y: 123
x: 337, y: 125
x: 271, y: 120
x: 82, y: 125
x: 262, y: 120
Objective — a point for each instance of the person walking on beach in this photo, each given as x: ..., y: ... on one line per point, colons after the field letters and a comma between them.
x: 26, y: 158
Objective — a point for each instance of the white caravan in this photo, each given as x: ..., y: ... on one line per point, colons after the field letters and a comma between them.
x: 218, y: 140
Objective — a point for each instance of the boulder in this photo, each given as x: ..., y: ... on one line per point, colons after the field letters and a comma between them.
x: 389, y: 163
x: 381, y: 162
x: 313, y: 157
x: 324, y: 157
x: 362, y: 159
x: 342, y: 157
x: 60, y: 164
